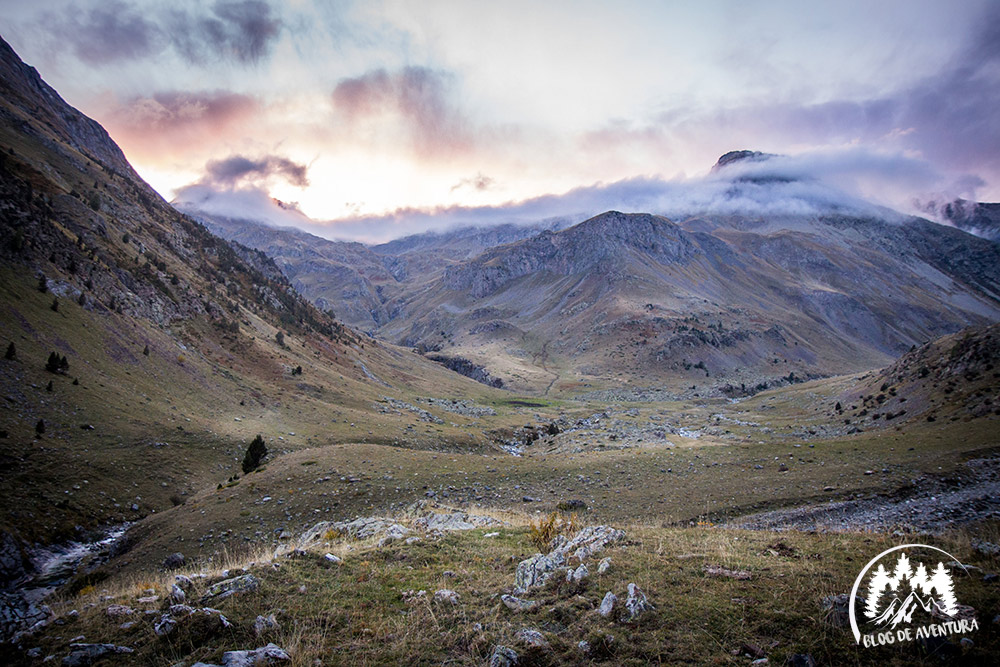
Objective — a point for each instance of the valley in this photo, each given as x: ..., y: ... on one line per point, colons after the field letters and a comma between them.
x: 758, y: 403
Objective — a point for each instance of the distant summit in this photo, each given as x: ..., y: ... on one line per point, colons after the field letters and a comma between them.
x: 741, y: 156
x: 974, y: 217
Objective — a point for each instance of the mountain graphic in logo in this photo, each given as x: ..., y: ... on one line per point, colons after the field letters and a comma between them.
x: 894, y: 597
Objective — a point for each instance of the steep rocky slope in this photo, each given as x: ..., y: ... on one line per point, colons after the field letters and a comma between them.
x: 174, y: 348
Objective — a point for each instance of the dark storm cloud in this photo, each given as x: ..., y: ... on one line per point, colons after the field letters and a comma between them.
x: 238, y: 168
x: 242, y: 31
x: 419, y: 96
x: 114, y: 31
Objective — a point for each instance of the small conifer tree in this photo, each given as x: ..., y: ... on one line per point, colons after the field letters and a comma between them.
x: 255, y: 452
x: 11, y: 354
x: 40, y: 427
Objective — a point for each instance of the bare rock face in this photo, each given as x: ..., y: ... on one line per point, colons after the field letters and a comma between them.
x: 13, y: 564
x: 17, y: 614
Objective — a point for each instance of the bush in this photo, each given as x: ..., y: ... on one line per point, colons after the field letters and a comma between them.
x: 43, y: 284
x: 11, y: 354
x: 280, y: 338
x: 55, y: 305
x: 255, y: 452
x: 40, y: 427
x: 542, y: 533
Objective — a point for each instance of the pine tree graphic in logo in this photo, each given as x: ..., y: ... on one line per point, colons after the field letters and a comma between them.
x: 894, y: 597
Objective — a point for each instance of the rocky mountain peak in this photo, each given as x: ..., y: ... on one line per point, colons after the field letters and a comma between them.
x: 741, y: 156
x: 43, y: 112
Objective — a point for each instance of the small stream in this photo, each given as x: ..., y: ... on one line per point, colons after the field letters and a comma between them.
x: 56, y: 564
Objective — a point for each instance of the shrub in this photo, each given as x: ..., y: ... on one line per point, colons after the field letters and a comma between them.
x: 280, y: 338
x: 55, y: 305
x: 11, y: 354
x: 40, y: 427
x: 43, y: 284
x: 255, y: 452
x: 145, y: 351
x: 542, y: 533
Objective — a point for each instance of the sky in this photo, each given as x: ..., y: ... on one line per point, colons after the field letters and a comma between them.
x: 375, y: 118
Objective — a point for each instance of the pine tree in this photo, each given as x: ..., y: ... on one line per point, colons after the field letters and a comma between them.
x: 40, y: 427
x: 48, y: 387
x: 55, y: 305
x: 52, y: 365
x: 11, y: 352
x: 255, y: 452
x: 145, y: 350
x: 43, y: 284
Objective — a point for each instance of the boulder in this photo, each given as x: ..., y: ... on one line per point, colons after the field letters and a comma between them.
x: 265, y: 624
x: 837, y: 610
x: 636, y: 605
x: 604, y: 565
x: 517, y: 604
x: 446, y: 596
x: 535, y: 571
x: 166, y: 625
x: 532, y: 637
x: 608, y: 604
x: 174, y: 561
x: 503, y: 656
x: 82, y: 655
x: 116, y: 610
x: 177, y: 594
x: 223, y: 589
x: 265, y: 656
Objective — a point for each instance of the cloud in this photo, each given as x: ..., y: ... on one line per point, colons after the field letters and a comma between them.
x: 818, y: 183
x: 236, y: 169
x: 122, y: 30
x: 478, y: 182
x: 249, y: 203
x: 168, y: 124
x: 418, y: 97
x: 809, y: 184
x: 112, y: 31
x: 241, y: 31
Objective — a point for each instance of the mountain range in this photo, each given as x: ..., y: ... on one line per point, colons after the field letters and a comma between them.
x: 706, y: 302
